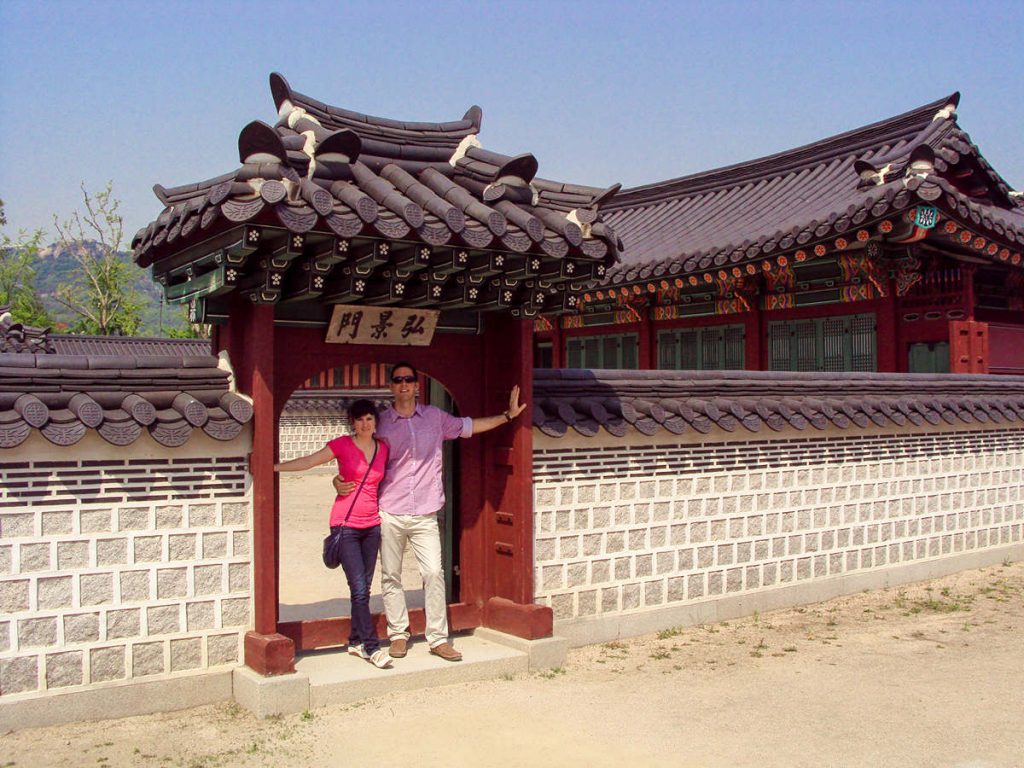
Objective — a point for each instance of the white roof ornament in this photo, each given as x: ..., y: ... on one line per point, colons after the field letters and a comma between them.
x: 296, y: 114
x: 583, y: 225
x: 920, y: 164
x: 309, y: 149
x: 461, y: 150
x: 224, y: 364
x: 869, y: 174
x: 285, y: 109
x: 948, y: 112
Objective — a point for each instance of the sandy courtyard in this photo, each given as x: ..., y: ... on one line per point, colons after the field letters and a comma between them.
x: 930, y: 674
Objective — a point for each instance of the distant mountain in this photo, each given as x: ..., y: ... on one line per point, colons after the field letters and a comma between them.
x: 55, y: 266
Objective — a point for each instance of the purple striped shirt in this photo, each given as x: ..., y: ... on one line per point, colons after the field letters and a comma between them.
x: 413, y: 483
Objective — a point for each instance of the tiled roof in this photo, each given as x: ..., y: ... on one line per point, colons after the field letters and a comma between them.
x: 16, y: 337
x: 136, y: 346
x: 814, y: 194
x: 585, y: 402
x: 324, y: 172
x: 65, y: 395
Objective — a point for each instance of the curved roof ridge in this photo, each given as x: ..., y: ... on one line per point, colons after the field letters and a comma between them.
x: 171, y: 195
x: 888, y: 131
x: 370, y: 126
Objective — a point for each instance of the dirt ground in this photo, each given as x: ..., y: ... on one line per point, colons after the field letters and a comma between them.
x: 929, y: 674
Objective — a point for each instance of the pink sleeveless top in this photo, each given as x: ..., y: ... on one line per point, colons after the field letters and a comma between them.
x: 352, y: 466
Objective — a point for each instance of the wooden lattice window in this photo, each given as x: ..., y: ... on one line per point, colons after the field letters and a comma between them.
x: 711, y: 348
x: 835, y: 344
x: 596, y: 352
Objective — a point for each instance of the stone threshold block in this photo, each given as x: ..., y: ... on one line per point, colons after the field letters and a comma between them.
x: 545, y: 653
x: 265, y: 696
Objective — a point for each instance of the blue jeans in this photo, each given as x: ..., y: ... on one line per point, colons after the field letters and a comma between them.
x: 359, y: 547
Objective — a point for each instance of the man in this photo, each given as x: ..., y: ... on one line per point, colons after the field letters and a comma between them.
x: 411, y: 494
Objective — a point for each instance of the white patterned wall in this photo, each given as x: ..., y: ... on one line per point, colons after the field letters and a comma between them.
x: 120, y: 565
x: 631, y: 525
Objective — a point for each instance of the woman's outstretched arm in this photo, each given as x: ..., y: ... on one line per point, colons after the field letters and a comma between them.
x: 309, y: 461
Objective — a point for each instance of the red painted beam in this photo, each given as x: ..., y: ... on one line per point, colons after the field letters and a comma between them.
x: 323, y: 633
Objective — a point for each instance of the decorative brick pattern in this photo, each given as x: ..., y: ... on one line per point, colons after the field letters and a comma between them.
x: 308, y: 433
x: 627, y: 528
x: 112, y: 570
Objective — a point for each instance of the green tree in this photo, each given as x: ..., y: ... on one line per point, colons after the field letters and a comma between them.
x: 17, y: 275
x: 101, y: 293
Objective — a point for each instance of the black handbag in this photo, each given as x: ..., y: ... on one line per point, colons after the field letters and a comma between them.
x: 332, y: 541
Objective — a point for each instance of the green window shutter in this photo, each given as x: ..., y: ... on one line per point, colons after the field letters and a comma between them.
x: 630, y: 352
x: 735, y: 349
x: 863, y: 343
x: 596, y: 352
x: 574, y: 353
x: 805, y: 332
x: 711, y: 345
x: 780, y: 344
x: 920, y: 359
x: 610, y: 352
x: 834, y: 333
x: 668, y: 351
x: 928, y: 357
x: 689, y: 349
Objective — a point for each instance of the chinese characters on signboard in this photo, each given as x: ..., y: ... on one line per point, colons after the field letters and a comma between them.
x: 359, y: 324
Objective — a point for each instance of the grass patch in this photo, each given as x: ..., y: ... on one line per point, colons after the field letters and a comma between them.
x: 666, y: 634
x: 761, y: 646
x: 549, y: 674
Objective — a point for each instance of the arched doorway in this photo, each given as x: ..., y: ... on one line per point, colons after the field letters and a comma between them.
x: 494, y: 587
x: 313, y: 414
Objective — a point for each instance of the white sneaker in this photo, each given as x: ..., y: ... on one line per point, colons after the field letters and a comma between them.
x: 380, y: 658
x: 358, y: 650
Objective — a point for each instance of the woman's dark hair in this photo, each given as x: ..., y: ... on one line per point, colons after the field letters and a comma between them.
x: 361, y: 408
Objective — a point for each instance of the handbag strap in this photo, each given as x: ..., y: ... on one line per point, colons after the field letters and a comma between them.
x: 361, y: 482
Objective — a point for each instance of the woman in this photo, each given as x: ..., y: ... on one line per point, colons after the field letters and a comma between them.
x: 361, y: 459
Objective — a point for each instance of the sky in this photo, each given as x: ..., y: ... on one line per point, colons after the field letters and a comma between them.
x: 139, y: 93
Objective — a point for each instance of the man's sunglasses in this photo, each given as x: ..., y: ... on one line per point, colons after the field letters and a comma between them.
x: 403, y: 379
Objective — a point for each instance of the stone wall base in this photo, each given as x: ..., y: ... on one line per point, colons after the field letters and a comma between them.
x: 108, y: 702
x: 601, y: 629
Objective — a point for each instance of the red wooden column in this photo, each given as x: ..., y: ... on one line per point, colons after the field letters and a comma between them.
x: 753, y: 337
x: 890, y: 357
x: 648, y: 352
x: 557, y: 344
x: 507, y: 510
x: 249, y: 339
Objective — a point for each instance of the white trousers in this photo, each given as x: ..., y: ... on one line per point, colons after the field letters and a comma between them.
x: 423, y: 536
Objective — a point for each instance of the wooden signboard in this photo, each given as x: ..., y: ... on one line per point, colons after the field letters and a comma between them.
x: 360, y: 324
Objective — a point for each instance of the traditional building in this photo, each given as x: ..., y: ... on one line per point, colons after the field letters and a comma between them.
x: 892, y: 247
x: 347, y: 240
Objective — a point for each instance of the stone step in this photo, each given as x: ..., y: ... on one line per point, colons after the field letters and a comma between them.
x: 337, y: 677
x: 332, y: 676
